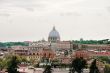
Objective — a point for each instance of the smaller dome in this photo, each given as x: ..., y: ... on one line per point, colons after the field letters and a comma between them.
x: 54, y: 33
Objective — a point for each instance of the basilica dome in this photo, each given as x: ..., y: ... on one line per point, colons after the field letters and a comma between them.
x: 54, y: 35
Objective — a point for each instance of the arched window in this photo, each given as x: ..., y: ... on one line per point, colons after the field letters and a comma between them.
x: 49, y: 55
x: 37, y: 54
x: 30, y: 54
x: 44, y: 54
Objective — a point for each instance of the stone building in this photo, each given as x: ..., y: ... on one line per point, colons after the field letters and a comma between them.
x: 45, y: 49
x: 82, y: 53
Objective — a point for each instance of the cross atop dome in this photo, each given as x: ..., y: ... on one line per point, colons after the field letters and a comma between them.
x: 54, y: 28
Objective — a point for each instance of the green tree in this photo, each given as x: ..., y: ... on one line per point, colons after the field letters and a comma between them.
x: 78, y: 64
x: 66, y: 53
x: 13, y: 65
x: 3, y: 63
x: 48, y: 69
x: 104, y: 59
x: 107, y: 68
x: 93, y: 67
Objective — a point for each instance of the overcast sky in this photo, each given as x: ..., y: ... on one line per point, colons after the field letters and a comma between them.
x: 28, y: 20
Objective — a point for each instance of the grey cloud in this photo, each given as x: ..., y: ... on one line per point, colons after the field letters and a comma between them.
x: 76, y: 14
x: 30, y: 9
x: 70, y: 14
x: 108, y: 8
x: 4, y: 14
x: 29, y: 5
x: 99, y: 14
x: 65, y: 14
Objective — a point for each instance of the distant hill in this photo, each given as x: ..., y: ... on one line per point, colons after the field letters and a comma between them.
x: 81, y: 41
x: 9, y: 44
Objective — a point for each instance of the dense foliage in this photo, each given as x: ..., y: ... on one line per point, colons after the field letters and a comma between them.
x: 104, y: 59
x: 78, y: 64
x: 107, y: 68
x: 13, y: 65
x: 105, y: 41
x: 81, y: 41
x: 9, y: 44
x: 93, y: 67
x: 10, y: 62
x: 48, y: 69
